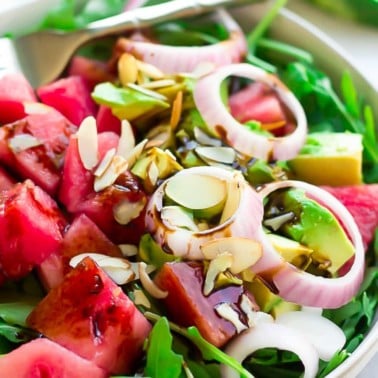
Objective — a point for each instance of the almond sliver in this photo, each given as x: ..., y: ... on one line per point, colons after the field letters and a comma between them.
x: 88, y: 142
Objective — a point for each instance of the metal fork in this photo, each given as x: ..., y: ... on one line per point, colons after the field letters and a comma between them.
x: 43, y: 55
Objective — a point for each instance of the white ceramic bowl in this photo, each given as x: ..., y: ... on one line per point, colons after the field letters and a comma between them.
x: 289, y: 28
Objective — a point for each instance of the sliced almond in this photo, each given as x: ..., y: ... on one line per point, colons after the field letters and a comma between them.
x: 117, y: 166
x: 148, y: 284
x: 232, y: 200
x: 246, y: 252
x: 140, y: 299
x: 153, y: 173
x: 127, y: 139
x: 176, y: 110
x: 205, y: 139
x: 105, y: 162
x: 147, y: 92
x: 118, y: 269
x: 225, y: 155
x: 128, y: 250
x: 127, y: 69
x: 150, y: 70
x: 157, y: 84
x: 227, y: 312
x: 247, y: 306
x: 23, y: 142
x: 176, y: 216
x: 88, y: 142
x: 126, y: 211
x: 276, y: 222
x: 218, y: 265
x: 136, y: 152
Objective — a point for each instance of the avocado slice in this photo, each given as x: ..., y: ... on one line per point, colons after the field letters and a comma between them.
x: 329, y: 158
x: 313, y: 226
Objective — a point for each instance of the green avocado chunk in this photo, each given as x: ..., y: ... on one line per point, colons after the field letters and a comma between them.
x: 312, y: 225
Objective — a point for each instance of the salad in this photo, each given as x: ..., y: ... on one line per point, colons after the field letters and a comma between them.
x: 190, y: 200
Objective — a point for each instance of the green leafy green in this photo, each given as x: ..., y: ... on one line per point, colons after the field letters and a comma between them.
x: 161, y: 360
x: 315, y: 91
x: 126, y: 102
x: 72, y: 15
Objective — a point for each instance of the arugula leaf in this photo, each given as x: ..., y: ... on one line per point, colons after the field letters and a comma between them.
x: 127, y: 103
x: 209, y: 351
x: 161, y: 360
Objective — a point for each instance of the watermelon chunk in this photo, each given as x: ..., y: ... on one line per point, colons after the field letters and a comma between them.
x: 362, y: 203
x: 71, y: 96
x: 31, y: 227
x: 106, y: 121
x: 6, y: 180
x: 42, y: 358
x: 100, y: 208
x: 91, y: 70
x: 77, y: 182
x: 40, y: 163
x: 187, y: 305
x: 14, y: 91
x: 91, y: 316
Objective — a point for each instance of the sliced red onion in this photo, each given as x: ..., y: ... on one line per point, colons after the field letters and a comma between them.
x: 185, y: 243
x: 297, y: 286
x: 179, y: 59
x: 217, y: 117
x: 271, y: 335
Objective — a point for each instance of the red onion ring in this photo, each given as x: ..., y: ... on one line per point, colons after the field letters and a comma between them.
x: 217, y: 117
x: 179, y: 59
x: 271, y: 335
x: 185, y: 243
x: 303, y: 288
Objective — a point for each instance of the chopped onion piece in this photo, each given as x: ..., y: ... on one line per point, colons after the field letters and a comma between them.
x: 271, y: 335
x: 208, y: 100
x: 227, y: 312
x: 297, y: 286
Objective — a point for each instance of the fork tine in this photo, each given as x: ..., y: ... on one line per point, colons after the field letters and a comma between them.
x: 8, y: 57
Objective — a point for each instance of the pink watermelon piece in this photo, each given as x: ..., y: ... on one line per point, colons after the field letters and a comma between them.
x: 14, y: 91
x: 362, y: 203
x: 106, y: 121
x: 71, y: 96
x: 91, y: 316
x: 31, y: 226
x: 6, y: 180
x: 39, y: 163
x: 77, y: 181
x: 91, y: 70
x: 42, y: 358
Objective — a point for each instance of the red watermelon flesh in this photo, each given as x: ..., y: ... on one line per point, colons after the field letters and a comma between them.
x: 6, y: 180
x: 362, y: 203
x: 100, y: 208
x: 31, y: 227
x: 91, y: 70
x: 42, y: 358
x: 77, y: 182
x: 187, y: 305
x: 71, y: 96
x: 256, y: 102
x: 14, y: 91
x: 91, y: 316
x: 82, y: 236
x: 106, y: 121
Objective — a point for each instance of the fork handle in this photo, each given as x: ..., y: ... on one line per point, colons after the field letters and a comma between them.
x: 142, y: 17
